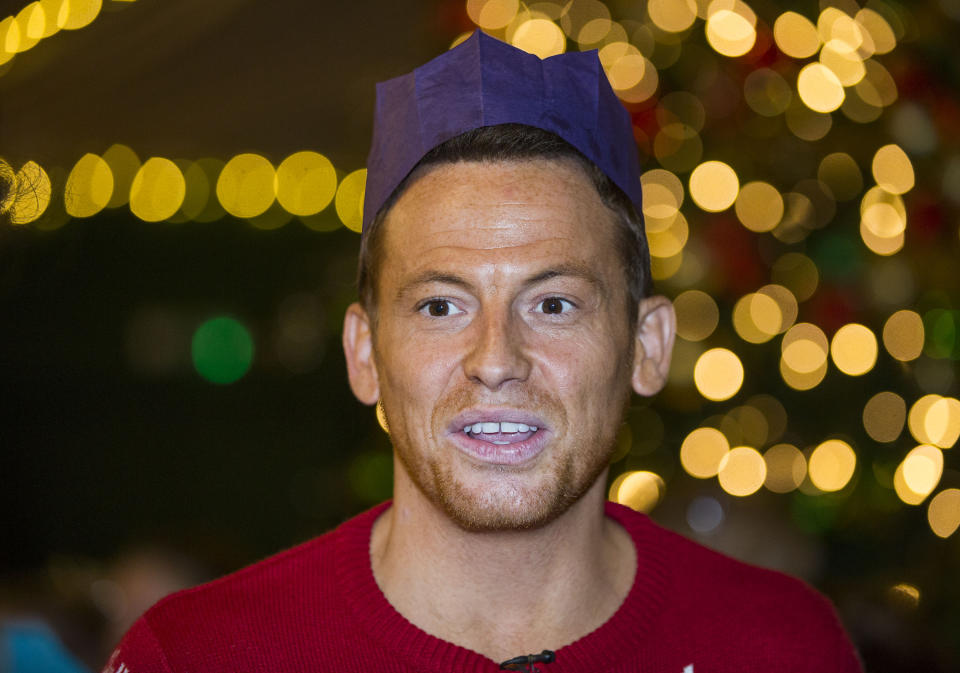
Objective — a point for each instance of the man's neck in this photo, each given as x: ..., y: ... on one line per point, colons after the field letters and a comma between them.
x: 502, y: 594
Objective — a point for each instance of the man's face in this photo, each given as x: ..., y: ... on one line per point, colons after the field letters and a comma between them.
x: 502, y: 347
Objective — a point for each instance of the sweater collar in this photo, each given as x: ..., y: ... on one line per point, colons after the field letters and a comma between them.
x: 619, y: 639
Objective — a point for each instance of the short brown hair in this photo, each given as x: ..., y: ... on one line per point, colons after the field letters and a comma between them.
x: 513, y: 142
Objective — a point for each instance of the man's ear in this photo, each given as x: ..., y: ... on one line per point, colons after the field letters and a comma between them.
x: 358, y: 349
x: 655, y: 332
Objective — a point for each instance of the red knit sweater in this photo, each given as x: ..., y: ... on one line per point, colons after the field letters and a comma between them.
x: 317, y: 607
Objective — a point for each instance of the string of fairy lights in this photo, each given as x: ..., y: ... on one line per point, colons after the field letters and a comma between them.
x: 792, y: 77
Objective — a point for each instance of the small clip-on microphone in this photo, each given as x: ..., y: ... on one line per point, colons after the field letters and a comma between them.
x: 527, y: 661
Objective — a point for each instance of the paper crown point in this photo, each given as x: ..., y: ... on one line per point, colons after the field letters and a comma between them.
x: 485, y: 82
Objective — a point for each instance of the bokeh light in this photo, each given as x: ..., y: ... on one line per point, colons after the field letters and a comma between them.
x: 701, y: 452
x: 89, y: 187
x: 786, y: 468
x: 884, y: 416
x: 349, y: 199
x: 796, y: 36
x: 222, y: 350
x: 718, y: 374
x: 934, y: 419
x: 854, y: 349
x: 124, y: 164
x: 697, y: 315
x: 796, y: 272
x: 943, y: 513
x: 672, y: 16
x: 841, y: 174
x: 731, y: 30
x: 903, y: 335
x: 922, y: 468
x: 32, y: 191
x: 492, y: 14
x: 742, y: 471
x: 759, y: 206
x: 803, y: 362
x: 76, y: 14
x: 892, y: 170
x: 714, y: 186
x: 246, y: 186
x: 306, y: 183
x: 832, y: 464
x: 544, y: 38
x: 157, y: 191
x: 819, y: 88
x: 639, y: 490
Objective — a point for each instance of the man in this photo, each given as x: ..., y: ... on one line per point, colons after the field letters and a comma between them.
x: 504, y: 320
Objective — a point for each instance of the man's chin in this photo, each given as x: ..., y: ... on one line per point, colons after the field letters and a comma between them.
x: 500, y: 510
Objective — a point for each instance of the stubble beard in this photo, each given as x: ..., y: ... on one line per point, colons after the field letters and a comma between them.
x: 513, y: 498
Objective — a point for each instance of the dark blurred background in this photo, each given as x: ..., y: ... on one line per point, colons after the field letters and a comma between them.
x: 174, y: 272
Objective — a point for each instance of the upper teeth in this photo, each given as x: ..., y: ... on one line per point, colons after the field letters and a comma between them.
x: 490, y: 428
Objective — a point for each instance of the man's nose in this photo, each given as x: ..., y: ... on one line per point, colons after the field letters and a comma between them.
x: 497, y: 355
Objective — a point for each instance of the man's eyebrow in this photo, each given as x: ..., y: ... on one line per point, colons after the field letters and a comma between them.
x: 581, y: 271
x: 431, y: 276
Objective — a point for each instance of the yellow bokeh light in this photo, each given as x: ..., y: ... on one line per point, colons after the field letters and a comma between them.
x: 157, y: 191
x: 541, y: 37
x: 904, y: 492
x: 884, y: 416
x: 672, y: 16
x: 878, y: 88
x: 843, y: 61
x: 731, y: 33
x: 922, y: 469
x: 697, y: 315
x: 903, y: 335
x: 702, y: 451
x: 767, y: 92
x: 89, y: 187
x: 819, y: 88
x: 639, y: 490
x: 935, y: 420
x: 718, y: 374
x: 742, y: 471
x: 306, y: 183
x: 645, y: 88
x: 943, y: 513
x: 624, y: 64
x: 786, y: 303
x: 76, y: 14
x: 669, y: 241
x: 349, y: 199
x: 881, y: 34
x: 854, y: 349
x: 892, y: 170
x: 759, y: 206
x: 51, y: 13
x: 246, y: 186
x: 31, y: 21
x: 786, y: 468
x: 594, y: 32
x: 883, y: 221
x: 662, y: 194
x: 9, y: 38
x: 492, y: 14
x: 832, y: 465
x: 795, y: 35
x: 880, y: 245
x: 826, y: 21
x: 124, y: 164
x: 33, y: 192
x: 804, y: 348
x: 714, y: 186
x: 746, y: 312
x: 576, y: 15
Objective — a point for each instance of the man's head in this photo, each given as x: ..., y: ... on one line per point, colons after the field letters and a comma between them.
x: 517, y: 142
x: 504, y: 282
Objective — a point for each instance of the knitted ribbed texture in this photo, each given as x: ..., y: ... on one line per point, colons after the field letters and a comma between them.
x: 317, y: 607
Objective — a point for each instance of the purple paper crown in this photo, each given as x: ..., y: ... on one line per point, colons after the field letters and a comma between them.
x: 483, y: 82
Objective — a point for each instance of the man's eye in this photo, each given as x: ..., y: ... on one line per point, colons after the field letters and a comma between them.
x: 555, y: 305
x: 439, y: 308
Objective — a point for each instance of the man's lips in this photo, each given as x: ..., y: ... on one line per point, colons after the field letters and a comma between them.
x: 500, y: 437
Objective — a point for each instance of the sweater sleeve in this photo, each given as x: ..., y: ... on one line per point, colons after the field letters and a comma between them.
x: 138, y: 652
